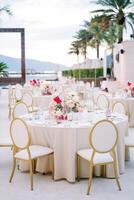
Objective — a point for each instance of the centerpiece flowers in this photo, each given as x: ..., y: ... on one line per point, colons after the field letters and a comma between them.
x: 47, y: 89
x: 72, y: 102
x: 60, y: 107
x: 130, y: 89
x: 57, y: 108
x: 35, y: 83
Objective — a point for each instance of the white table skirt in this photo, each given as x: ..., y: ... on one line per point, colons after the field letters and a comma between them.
x: 66, y: 141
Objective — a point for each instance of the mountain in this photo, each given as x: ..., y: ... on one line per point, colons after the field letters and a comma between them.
x: 14, y: 64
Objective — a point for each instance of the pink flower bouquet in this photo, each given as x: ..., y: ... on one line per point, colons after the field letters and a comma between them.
x: 57, y: 109
x: 35, y: 83
x: 130, y: 89
x: 47, y: 89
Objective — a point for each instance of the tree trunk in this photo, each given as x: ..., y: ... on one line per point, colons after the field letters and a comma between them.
x: 98, y: 50
x: 112, y: 66
x: 120, y: 33
x: 78, y: 65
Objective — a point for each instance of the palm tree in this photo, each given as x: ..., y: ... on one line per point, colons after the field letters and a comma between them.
x: 84, y: 37
x: 5, y: 9
x: 97, y: 32
x: 119, y: 12
x: 3, y: 72
x: 110, y: 38
x: 75, y: 49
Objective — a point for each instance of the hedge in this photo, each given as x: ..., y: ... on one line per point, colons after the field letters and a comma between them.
x: 85, y: 73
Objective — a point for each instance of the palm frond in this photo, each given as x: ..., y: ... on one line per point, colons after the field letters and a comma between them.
x: 128, y: 4
x: 103, y: 11
x: 3, y: 68
x: 6, y: 9
x: 107, y: 3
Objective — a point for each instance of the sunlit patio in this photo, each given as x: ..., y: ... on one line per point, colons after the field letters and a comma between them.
x: 67, y: 100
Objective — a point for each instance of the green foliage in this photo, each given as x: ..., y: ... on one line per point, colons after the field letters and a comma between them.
x: 3, y: 72
x: 118, y: 12
x: 84, y: 73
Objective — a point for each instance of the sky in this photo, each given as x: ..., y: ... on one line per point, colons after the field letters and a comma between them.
x: 49, y: 25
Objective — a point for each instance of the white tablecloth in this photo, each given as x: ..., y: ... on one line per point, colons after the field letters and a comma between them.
x: 129, y: 102
x: 66, y: 139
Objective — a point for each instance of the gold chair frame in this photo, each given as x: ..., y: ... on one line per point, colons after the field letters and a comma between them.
x: 13, y: 115
x: 16, y: 100
x: 11, y: 102
x: 32, y: 110
x: 100, y: 95
x: 91, y: 165
x: 32, y: 162
x: 120, y: 102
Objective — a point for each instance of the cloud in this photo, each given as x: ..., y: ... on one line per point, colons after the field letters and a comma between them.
x: 49, y: 25
x: 55, y: 33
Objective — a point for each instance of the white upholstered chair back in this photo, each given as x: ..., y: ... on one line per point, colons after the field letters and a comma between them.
x: 18, y: 94
x: 27, y: 99
x: 102, y: 101
x: 103, y: 136
x: 20, y: 109
x: 19, y: 133
x: 10, y: 95
x: 120, y: 108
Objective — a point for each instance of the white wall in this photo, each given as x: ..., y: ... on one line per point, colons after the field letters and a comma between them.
x: 124, y: 69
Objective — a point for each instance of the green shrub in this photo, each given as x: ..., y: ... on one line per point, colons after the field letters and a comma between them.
x: 83, y: 73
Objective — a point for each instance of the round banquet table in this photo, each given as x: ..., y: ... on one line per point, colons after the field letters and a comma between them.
x: 66, y: 139
x: 42, y: 101
x: 129, y: 102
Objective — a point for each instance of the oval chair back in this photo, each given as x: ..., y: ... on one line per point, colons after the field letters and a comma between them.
x: 28, y: 99
x: 102, y: 101
x: 10, y: 95
x: 103, y: 136
x: 18, y: 94
x: 20, y: 109
x: 19, y: 134
x: 119, y: 107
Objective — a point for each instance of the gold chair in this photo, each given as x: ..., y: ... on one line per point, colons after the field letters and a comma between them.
x: 102, y: 102
x: 103, y: 139
x: 20, y: 109
x: 11, y: 101
x: 18, y: 94
x: 27, y: 98
x: 119, y: 107
x: 22, y: 148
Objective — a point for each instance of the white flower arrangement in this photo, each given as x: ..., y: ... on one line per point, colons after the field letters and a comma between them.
x: 47, y: 89
x: 72, y: 102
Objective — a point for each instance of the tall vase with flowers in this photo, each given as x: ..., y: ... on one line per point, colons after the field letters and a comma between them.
x: 57, y: 110
x: 130, y: 89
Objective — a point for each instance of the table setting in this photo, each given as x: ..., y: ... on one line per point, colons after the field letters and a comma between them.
x: 66, y: 137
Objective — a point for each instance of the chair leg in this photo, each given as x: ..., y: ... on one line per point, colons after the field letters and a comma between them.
x: 116, y: 175
x: 103, y: 170
x: 78, y: 167
x: 13, y: 170
x: 31, y: 173
x: 90, y: 178
x: 34, y: 166
x: 53, y: 167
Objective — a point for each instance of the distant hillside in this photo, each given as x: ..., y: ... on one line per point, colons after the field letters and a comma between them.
x: 31, y: 65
